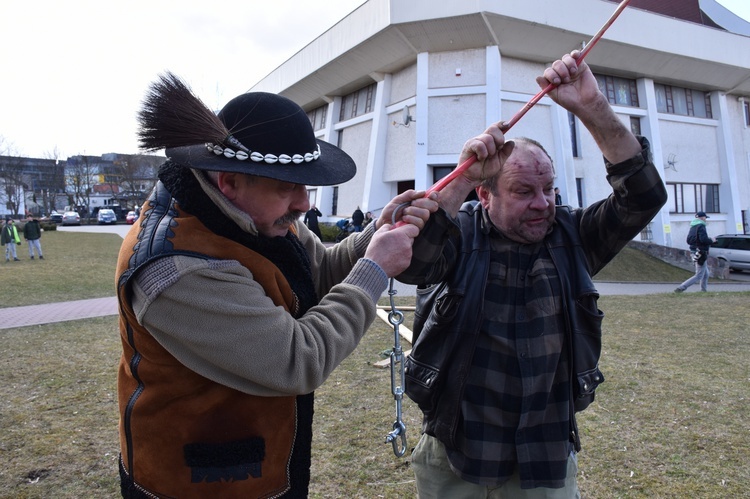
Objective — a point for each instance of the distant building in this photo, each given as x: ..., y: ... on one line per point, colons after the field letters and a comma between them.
x: 118, y: 181
x: 401, y: 85
x: 30, y: 185
x: 33, y: 186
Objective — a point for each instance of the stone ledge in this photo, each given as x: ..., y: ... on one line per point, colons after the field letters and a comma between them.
x: 680, y: 258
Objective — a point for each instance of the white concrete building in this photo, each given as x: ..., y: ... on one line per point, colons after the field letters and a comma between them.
x: 400, y: 85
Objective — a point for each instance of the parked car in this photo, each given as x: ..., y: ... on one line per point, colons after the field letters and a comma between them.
x: 106, y: 216
x: 71, y: 218
x: 131, y: 217
x: 733, y: 250
x: 55, y: 217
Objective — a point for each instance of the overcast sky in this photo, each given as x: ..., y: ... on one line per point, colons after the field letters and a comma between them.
x: 74, y: 72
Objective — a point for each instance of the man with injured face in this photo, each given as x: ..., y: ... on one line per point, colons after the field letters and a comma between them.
x: 508, y: 354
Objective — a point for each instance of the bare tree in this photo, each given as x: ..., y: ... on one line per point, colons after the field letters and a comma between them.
x: 79, y: 183
x: 57, y: 178
x: 11, y: 171
x: 137, y: 177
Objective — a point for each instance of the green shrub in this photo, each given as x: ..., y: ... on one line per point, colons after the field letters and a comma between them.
x: 48, y: 226
x: 328, y: 231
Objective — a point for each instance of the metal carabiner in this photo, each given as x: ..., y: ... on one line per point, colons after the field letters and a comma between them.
x: 399, y: 429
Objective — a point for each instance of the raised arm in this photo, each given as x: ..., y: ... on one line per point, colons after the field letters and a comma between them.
x: 578, y: 92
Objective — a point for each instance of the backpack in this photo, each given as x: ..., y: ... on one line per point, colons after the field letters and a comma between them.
x: 692, y: 237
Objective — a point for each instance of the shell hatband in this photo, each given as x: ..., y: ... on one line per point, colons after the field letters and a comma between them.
x: 261, y: 158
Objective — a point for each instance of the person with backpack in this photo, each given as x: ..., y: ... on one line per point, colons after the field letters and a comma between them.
x: 699, y: 243
x: 517, y: 330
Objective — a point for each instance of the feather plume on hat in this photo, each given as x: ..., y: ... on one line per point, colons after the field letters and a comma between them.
x: 172, y: 116
x: 256, y: 133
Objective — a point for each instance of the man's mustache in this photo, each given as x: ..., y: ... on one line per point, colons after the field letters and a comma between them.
x: 288, y: 218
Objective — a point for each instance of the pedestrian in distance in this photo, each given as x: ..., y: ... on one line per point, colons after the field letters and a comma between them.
x: 311, y: 220
x: 358, y: 219
x: 10, y: 239
x: 499, y: 389
x: 558, y: 197
x: 699, y: 243
x: 32, y: 232
x: 232, y: 312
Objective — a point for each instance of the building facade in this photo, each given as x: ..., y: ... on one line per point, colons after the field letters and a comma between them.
x: 30, y: 186
x: 36, y: 187
x: 400, y: 86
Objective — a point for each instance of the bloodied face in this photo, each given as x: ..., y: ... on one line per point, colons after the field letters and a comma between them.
x: 521, y: 202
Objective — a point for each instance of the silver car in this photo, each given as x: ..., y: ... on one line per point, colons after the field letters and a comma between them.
x: 71, y: 218
x: 733, y: 250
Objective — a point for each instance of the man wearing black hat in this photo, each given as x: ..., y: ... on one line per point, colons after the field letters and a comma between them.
x: 699, y: 243
x: 231, y: 311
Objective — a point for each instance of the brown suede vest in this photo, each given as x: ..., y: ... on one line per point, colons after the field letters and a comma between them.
x: 183, y: 435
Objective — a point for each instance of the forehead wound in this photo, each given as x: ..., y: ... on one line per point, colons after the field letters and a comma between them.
x: 529, y: 158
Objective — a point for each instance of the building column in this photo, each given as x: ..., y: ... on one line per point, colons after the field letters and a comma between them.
x: 661, y: 225
x: 325, y: 193
x: 729, y: 193
x: 376, y: 194
x: 422, y: 177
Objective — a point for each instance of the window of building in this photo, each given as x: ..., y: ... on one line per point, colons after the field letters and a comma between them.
x: 404, y: 186
x: 620, y: 91
x: 579, y: 191
x: 647, y: 234
x: 357, y: 103
x: 746, y: 107
x: 575, y: 142
x: 692, y: 198
x: 635, y: 125
x: 312, y: 196
x: 318, y: 117
x: 438, y: 172
x: 683, y: 101
x: 335, y: 201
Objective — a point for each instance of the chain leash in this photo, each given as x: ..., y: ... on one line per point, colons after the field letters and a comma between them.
x: 397, y: 437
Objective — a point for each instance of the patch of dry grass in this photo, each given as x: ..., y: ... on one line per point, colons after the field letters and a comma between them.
x: 76, y: 266
x: 670, y: 421
x: 58, y: 410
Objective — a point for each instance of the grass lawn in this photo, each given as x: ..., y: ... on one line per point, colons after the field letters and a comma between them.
x: 76, y: 266
x: 670, y: 421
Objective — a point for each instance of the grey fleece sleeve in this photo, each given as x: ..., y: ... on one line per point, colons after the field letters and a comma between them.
x: 214, y: 318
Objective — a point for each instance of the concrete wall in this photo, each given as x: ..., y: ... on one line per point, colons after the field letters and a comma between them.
x: 680, y: 258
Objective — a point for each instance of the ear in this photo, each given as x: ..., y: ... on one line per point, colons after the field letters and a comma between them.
x: 484, y: 196
x: 227, y: 183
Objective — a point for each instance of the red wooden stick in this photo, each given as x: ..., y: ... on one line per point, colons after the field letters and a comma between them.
x: 440, y: 184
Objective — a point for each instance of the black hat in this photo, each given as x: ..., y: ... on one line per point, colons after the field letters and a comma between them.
x: 256, y: 133
x: 701, y: 214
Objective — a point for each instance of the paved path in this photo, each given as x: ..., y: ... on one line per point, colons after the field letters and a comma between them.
x: 100, y: 307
